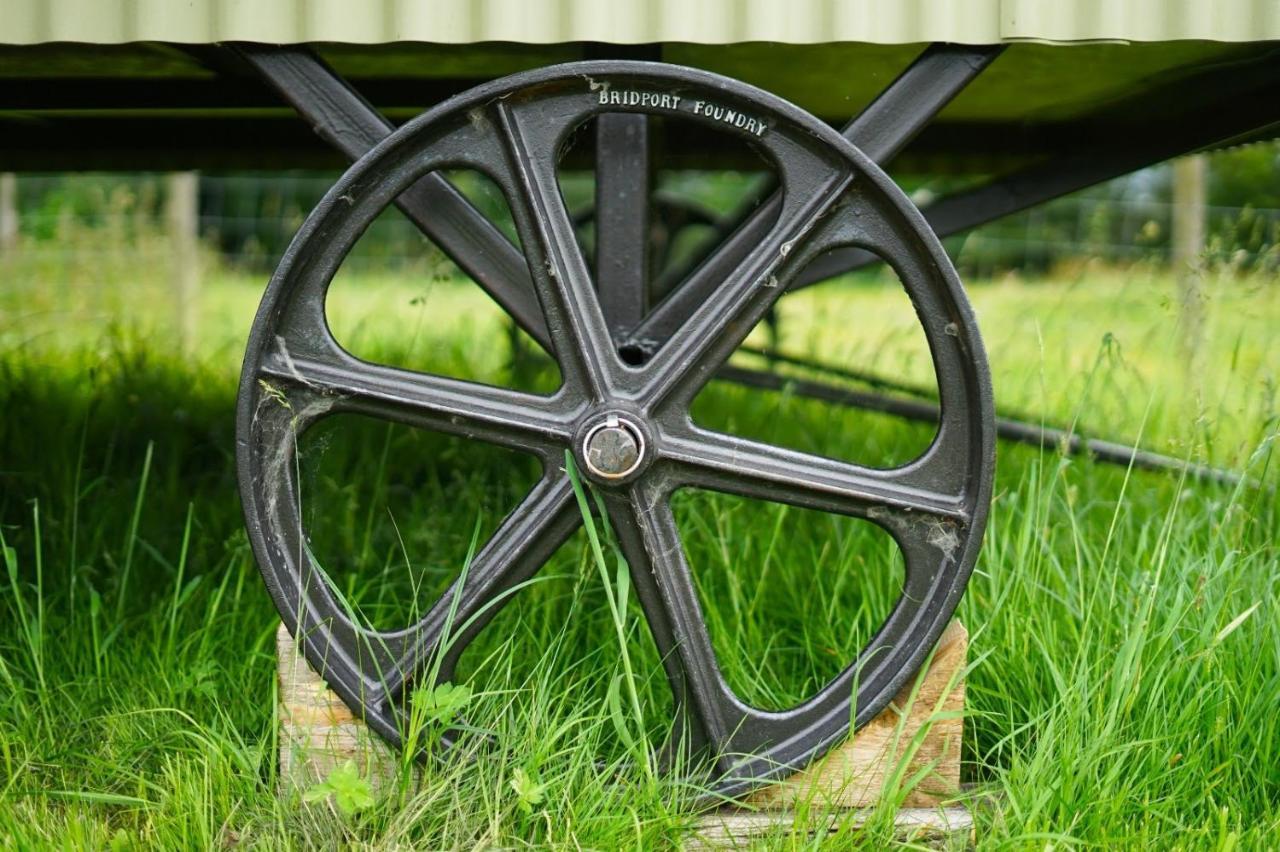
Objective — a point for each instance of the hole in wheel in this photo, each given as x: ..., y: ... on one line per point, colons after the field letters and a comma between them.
x: 553, y: 649
x: 633, y: 355
x: 399, y: 300
x: 390, y: 511
x: 789, y: 595
x: 826, y: 372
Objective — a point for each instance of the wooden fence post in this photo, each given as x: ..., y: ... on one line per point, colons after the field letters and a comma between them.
x: 8, y: 212
x: 183, y: 222
x: 1188, y: 247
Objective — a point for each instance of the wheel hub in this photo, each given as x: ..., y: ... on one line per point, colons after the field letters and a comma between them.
x: 614, y: 448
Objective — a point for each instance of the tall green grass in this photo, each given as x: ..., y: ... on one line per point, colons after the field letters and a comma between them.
x: 1124, y: 625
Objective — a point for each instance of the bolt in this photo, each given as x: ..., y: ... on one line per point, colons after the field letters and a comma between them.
x: 614, y: 448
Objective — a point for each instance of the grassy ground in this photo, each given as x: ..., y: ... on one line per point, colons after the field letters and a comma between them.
x: 1125, y: 630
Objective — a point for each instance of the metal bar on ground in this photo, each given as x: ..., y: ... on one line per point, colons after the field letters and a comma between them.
x: 1069, y: 442
x: 772, y: 355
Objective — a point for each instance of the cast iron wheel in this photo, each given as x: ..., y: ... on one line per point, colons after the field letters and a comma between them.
x: 627, y: 427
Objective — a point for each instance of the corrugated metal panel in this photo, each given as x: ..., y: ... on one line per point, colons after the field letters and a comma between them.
x: 909, y: 21
x: 705, y: 21
x: 1141, y: 20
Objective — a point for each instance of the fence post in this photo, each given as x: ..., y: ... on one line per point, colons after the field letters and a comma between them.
x: 1188, y: 246
x: 8, y: 212
x: 183, y: 222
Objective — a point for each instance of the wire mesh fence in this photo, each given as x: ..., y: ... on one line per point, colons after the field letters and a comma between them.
x: 1118, y: 231
x: 246, y: 221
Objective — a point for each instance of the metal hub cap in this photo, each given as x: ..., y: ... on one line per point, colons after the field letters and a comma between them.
x: 614, y: 448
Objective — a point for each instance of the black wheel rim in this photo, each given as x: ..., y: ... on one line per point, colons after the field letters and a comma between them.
x: 831, y: 196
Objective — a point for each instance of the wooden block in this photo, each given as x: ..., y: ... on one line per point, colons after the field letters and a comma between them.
x: 920, y: 731
x: 734, y: 828
x: 917, y: 735
x: 317, y: 730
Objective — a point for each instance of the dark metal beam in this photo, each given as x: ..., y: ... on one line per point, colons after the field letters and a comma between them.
x: 623, y: 185
x: 1220, y: 107
x: 210, y: 138
x: 95, y: 94
x: 38, y: 142
x: 773, y: 356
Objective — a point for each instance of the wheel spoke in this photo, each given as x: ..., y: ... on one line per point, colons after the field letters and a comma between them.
x: 507, y: 418
x: 734, y: 465
x: 708, y: 713
x: 578, y: 332
x: 525, y: 540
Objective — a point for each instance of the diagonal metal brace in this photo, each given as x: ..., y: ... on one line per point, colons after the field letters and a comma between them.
x: 881, y: 130
x: 343, y: 118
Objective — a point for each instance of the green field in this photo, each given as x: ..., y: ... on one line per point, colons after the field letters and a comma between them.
x: 1125, y: 681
